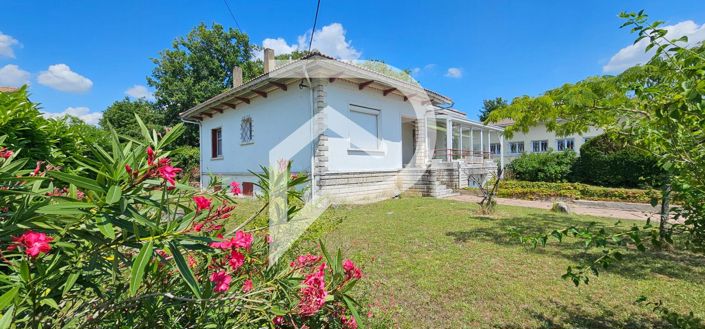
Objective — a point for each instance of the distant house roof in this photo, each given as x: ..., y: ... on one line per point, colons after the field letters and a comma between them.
x: 7, y: 89
x: 320, y: 66
x: 504, y: 122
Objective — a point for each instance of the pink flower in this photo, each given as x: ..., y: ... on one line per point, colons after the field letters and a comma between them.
x: 247, y: 285
x: 351, y: 271
x: 236, y: 260
x: 34, y: 243
x: 5, y: 153
x: 37, y: 168
x: 305, y: 261
x: 169, y: 173
x: 202, y: 202
x: 150, y: 156
x: 198, y: 227
x: 313, y: 293
x: 221, y: 281
x: 191, y: 261
x: 128, y: 169
x: 348, y: 322
x: 242, y: 240
x: 235, y: 188
x: 278, y: 320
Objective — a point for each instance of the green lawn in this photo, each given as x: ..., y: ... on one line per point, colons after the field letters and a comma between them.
x: 433, y: 263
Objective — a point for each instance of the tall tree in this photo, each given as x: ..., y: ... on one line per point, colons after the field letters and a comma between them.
x: 198, y: 67
x: 489, y: 105
x: 121, y: 115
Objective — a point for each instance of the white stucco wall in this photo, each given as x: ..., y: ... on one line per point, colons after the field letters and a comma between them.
x: 341, y: 158
x: 274, y: 118
x: 539, y: 132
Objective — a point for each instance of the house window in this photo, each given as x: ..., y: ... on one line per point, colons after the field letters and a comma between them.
x: 364, y: 134
x: 216, y: 143
x: 246, y: 130
x: 539, y: 146
x: 565, y: 144
x: 516, y: 147
x: 495, y: 148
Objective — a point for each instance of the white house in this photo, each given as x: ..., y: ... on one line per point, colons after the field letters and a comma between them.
x: 538, y: 140
x: 359, y: 134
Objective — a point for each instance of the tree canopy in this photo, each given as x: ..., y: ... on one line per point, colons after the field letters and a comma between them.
x: 198, y: 67
x: 121, y: 115
x: 489, y: 105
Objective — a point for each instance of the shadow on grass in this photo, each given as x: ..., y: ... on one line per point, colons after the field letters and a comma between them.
x: 574, y: 316
x: 635, y: 265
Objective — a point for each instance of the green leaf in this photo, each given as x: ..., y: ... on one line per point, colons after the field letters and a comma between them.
x: 353, y: 309
x: 81, y: 182
x: 70, y: 281
x: 105, y: 226
x: 7, y: 297
x: 184, y: 270
x: 7, y: 318
x: 144, y: 130
x: 114, y: 194
x: 49, y: 302
x: 65, y: 208
x: 138, y: 266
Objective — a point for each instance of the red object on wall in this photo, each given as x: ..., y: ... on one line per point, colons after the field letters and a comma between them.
x: 247, y: 188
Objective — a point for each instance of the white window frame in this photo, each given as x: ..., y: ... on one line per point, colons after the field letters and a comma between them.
x: 219, y: 144
x: 562, y: 144
x: 523, y: 147
x: 542, y: 141
x: 495, y: 148
x: 371, y: 111
x: 252, y: 131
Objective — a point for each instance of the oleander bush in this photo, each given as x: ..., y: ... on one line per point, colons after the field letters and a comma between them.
x: 545, y: 190
x: 134, y: 247
x: 542, y: 167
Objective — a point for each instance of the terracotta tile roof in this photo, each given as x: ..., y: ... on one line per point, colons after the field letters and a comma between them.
x: 7, y: 89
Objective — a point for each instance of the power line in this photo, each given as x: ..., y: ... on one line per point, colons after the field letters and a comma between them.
x: 232, y: 15
x: 313, y: 30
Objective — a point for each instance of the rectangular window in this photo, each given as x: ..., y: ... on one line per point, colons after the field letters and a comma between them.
x: 495, y: 148
x: 246, y: 130
x: 516, y: 147
x: 216, y: 143
x: 539, y: 146
x: 364, y: 134
x: 565, y: 144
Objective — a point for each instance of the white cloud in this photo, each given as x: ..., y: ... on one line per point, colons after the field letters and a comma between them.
x: 6, y: 44
x: 419, y: 70
x: 329, y: 40
x: 634, y: 54
x: 454, y: 72
x: 140, y: 91
x: 12, y: 75
x: 80, y: 112
x: 60, y: 77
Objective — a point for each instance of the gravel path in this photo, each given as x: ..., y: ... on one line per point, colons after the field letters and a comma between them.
x: 617, y: 210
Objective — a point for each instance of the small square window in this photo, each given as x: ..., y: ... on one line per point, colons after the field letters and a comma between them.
x: 516, y: 147
x: 216, y: 143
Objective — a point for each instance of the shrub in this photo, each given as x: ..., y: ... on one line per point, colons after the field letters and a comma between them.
x: 133, y: 247
x: 606, y: 161
x: 546, y: 190
x: 189, y: 158
x: 543, y: 167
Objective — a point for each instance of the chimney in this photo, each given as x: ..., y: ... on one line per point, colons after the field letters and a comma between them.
x: 237, y: 77
x: 268, y: 60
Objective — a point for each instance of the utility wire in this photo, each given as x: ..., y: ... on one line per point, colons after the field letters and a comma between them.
x: 315, y: 20
x: 232, y: 15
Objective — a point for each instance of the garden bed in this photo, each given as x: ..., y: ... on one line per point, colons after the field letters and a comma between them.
x: 571, y: 191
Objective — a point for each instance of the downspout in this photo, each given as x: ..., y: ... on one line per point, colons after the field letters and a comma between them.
x: 200, y: 154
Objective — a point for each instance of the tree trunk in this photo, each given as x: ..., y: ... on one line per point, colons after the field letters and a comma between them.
x: 665, y: 209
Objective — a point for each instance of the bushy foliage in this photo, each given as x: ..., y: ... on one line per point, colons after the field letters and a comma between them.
x: 189, y: 158
x: 121, y: 116
x: 543, y: 167
x: 606, y: 161
x: 54, y: 141
x: 135, y: 248
x: 545, y: 191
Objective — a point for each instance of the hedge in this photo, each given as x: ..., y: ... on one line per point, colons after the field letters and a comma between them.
x: 543, y: 190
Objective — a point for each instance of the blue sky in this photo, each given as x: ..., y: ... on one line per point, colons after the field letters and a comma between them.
x: 80, y: 56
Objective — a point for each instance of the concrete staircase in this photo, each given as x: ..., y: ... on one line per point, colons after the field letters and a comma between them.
x: 428, y: 182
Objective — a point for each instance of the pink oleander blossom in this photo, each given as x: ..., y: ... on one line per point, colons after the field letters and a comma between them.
x: 221, y: 281
x: 278, y: 320
x: 202, y: 202
x: 235, y: 188
x: 348, y: 322
x: 313, y: 293
x: 169, y: 173
x: 5, y: 153
x: 305, y: 261
x: 236, y: 260
x: 247, y: 286
x: 34, y: 243
x: 150, y: 156
x: 242, y: 240
x: 351, y: 271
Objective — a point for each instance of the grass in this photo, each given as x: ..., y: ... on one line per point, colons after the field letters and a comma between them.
x: 432, y: 263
